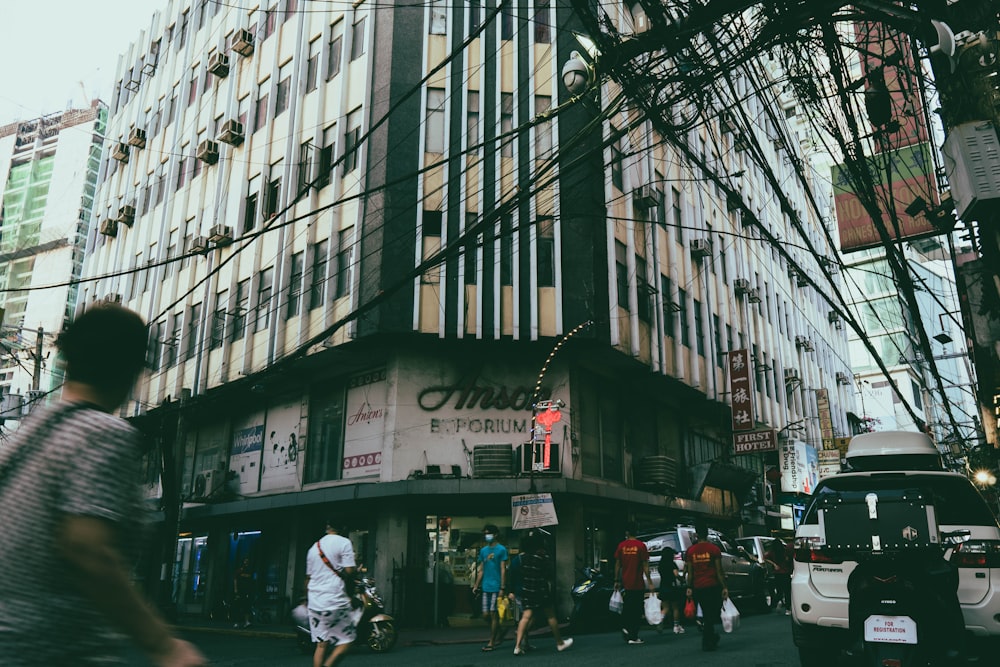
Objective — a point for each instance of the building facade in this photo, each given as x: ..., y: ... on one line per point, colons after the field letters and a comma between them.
x: 50, y: 168
x: 370, y: 239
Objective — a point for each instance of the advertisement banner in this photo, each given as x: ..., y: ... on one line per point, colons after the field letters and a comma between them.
x: 829, y: 462
x: 532, y: 511
x: 748, y: 442
x: 825, y: 416
x: 364, y: 424
x: 245, y: 452
x: 740, y: 390
x: 799, y: 467
x: 279, y: 469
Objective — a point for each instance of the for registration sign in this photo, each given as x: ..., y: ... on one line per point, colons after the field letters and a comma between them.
x: 890, y: 629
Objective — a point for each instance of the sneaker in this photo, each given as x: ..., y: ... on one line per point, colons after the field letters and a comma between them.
x: 520, y: 651
x: 247, y: 624
x: 624, y: 634
x: 636, y: 641
x: 678, y: 629
x: 565, y: 644
x: 236, y: 625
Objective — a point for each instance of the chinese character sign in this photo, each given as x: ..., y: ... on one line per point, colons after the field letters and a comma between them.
x: 740, y: 391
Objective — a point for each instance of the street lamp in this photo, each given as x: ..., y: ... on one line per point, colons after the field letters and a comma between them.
x: 985, y: 478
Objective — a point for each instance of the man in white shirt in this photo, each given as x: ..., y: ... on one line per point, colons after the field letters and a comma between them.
x: 329, y: 585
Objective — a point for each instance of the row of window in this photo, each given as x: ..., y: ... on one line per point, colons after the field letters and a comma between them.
x: 541, y: 20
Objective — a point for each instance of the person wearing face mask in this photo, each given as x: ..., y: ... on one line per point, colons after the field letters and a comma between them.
x: 491, y: 582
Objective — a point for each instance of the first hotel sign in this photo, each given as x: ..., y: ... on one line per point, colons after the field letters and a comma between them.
x: 747, y: 442
x: 739, y: 388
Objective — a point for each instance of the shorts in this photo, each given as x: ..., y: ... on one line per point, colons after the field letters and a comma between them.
x: 335, y: 626
x: 673, y: 594
x: 490, y: 602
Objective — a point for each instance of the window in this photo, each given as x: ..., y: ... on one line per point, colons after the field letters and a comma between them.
x: 260, y: 113
x: 135, y: 278
x: 156, y: 346
x: 243, y: 110
x: 683, y: 316
x: 272, y: 198
x: 507, y: 22
x: 291, y: 6
x: 264, y: 290
x: 506, y: 249
x: 219, y: 320
x: 250, y: 204
x: 717, y: 335
x: 543, y: 29
x: 171, y: 252
x: 317, y: 291
x: 617, y: 171
x: 507, y: 124
x: 326, y: 436
x: 546, y: 252
x: 326, y: 156
x: 543, y: 130
x: 475, y: 15
x: 472, y: 121
x: 668, y: 306
x: 144, y: 274
x: 173, y: 344
x: 193, y: 87
x: 344, y: 262
x: 336, y: 51
x: 182, y: 31
x: 295, y: 284
x: 699, y: 328
x: 199, y: 14
x: 678, y: 220
x: 194, y: 322
x: 312, y: 65
x: 171, y: 108
x: 196, y: 163
x: 268, y: 23
x: 439, y: 18
x: 431, y: 229
x: 434, y: 124
x: 358, y: 40
x: 621, y: 273
x: 304, y: 167
x: 351, y: 140
x: 182, y: 168
x: 240, y: 308
x: 471, y: 251
x: 281, y: 94
x: 642, y: 289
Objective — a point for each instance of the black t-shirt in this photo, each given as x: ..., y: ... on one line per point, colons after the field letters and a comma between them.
x: 669, y: 574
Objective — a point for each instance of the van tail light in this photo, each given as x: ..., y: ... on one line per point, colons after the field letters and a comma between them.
x: 977, y: 553
x: 811, y: 550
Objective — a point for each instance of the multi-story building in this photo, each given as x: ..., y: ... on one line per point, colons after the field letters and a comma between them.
x: 370, y: 238
x: 49, y: 168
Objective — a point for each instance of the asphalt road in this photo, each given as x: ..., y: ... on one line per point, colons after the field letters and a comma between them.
x: 760, y: 641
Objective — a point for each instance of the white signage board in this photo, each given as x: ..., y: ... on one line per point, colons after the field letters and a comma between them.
x: 245, y: 451
x: 364, y: 424
x: 281, y: 447
x: 532, y: 511
x: 799, y: 467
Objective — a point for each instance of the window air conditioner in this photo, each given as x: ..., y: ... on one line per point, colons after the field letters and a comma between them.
x: 137, y: 137
x: 208, y: 151
x: 126, y: 215
x: 112, y: 298
x: 231, y: 133
x: 741, y: 285
x: 199, y: 245
x: 791, y: 374
x: 221, y: 235
x: 832, y: 317
x: 218, y: 64
x: 120, y: 152
x: 726, y: 122
x: 753, y: 295
x: 243, y: 42
x: 800, y: 280
x: 700, y: 247
x: 801, y: 341
x: 842, y: 378
x: 109, y: 228
x: 646, y: 196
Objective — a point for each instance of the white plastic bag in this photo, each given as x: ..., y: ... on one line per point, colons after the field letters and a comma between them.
x: 730, y: 616
x: 652, y: 608
x: 617, y: 602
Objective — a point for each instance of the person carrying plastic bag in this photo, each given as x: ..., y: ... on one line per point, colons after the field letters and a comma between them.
x: 706, y: 583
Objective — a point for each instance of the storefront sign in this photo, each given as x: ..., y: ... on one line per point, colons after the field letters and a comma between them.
x: 829, y: 462
x: 799, y: 467
x: 245, y: 453
x: 739, y: 387
x: 281, y: 448
x: 364, y: 425
x: 825, y: 416
x: 532, y: 511
x: 755, y: 441
x: 470, y: 393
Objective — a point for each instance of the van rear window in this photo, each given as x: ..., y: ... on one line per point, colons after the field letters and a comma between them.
x: 956, y: 500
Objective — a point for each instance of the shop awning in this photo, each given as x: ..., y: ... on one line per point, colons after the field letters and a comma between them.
x: 725, y: 476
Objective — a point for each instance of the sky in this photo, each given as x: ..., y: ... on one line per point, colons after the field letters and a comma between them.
x: 60, y: 53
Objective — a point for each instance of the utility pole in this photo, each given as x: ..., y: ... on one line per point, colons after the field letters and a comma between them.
x: 36, y: 377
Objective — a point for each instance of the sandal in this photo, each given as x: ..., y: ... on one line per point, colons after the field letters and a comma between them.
x: 488, y: 647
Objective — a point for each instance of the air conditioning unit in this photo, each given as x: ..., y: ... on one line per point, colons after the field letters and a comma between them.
x: 243, y: 42
x: 753, y: 295
x: 231, y: 133
x: 532, y: 457
x: 199, y: 245
x: 833, y: 317
x: 137, y: 137
x: 113, y: 298
x: 202, y: 484
x: 842, y: 378
x: 732, y: 203
x: 791, y: 374
x: 208, y: 151
x: 109, y: 228
x: 120, y: 152
x: 801, y: 341
x: 646, y: 196
x: 800, y: 280
x: 701, y: 247
x: 126, y: 215
x: 741, y: 286
x: 492, y: 460
x: 726, y: 122
x: 218, y: 64
x: 221, y: 235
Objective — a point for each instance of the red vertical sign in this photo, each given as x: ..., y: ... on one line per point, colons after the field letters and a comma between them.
x: 739, y: 390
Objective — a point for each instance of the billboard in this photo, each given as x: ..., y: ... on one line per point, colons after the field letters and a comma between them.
x: 281, y: 448
x: 799, y: 464
x: 364, y: 424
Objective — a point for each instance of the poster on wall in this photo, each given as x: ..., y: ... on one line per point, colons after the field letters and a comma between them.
x: 364, y: 424
x: 207, y: 449
x: 245, y: 452
x: 279, y: 467
x: 799, y: 467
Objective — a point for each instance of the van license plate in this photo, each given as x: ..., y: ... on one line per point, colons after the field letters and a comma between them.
x: 891, y: 629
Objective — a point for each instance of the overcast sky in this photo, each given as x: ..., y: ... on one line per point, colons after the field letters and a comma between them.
x: 48, y: 48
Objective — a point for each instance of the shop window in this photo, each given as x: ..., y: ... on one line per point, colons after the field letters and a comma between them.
x: 326, y: 443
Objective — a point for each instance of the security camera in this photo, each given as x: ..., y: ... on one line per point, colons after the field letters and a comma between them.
x: 576, y: 74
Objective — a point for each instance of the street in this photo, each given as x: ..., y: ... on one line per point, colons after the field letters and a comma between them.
x: 760, y: 641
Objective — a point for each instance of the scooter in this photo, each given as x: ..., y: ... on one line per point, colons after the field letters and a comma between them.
x: 590, y: 603
x: 376, y: 629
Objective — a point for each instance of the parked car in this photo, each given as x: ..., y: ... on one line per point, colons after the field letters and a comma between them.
x: 757, y: 546
x: 745, y: 577
x: 819, y: 583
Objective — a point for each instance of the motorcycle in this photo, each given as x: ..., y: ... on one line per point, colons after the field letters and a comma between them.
x: 590, y: 603
x: 376, y: 629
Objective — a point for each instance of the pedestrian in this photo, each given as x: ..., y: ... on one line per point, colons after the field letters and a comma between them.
x: 491, y: 582
x: 706, y: 583
x: 781, y: 560
x: 330, y: 569
x: 631, y: 571
x: 672, y: 590
x: 243, y: 591
x: 537, y: 595
x: 71, y: 511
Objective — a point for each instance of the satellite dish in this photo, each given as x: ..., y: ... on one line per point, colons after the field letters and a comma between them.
x: 945, y: 42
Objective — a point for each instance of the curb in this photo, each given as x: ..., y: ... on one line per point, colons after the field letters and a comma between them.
x: 235, y: 632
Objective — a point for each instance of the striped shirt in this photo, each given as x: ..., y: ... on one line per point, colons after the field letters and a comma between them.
x: 81, y: 463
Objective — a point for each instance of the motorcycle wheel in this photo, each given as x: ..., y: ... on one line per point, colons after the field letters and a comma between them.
x: 382, y: 637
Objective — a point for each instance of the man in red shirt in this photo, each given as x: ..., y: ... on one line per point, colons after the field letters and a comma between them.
x: 632, y: 566
x: 706, y: 583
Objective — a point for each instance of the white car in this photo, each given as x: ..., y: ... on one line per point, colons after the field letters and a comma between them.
x: 819, y: 584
